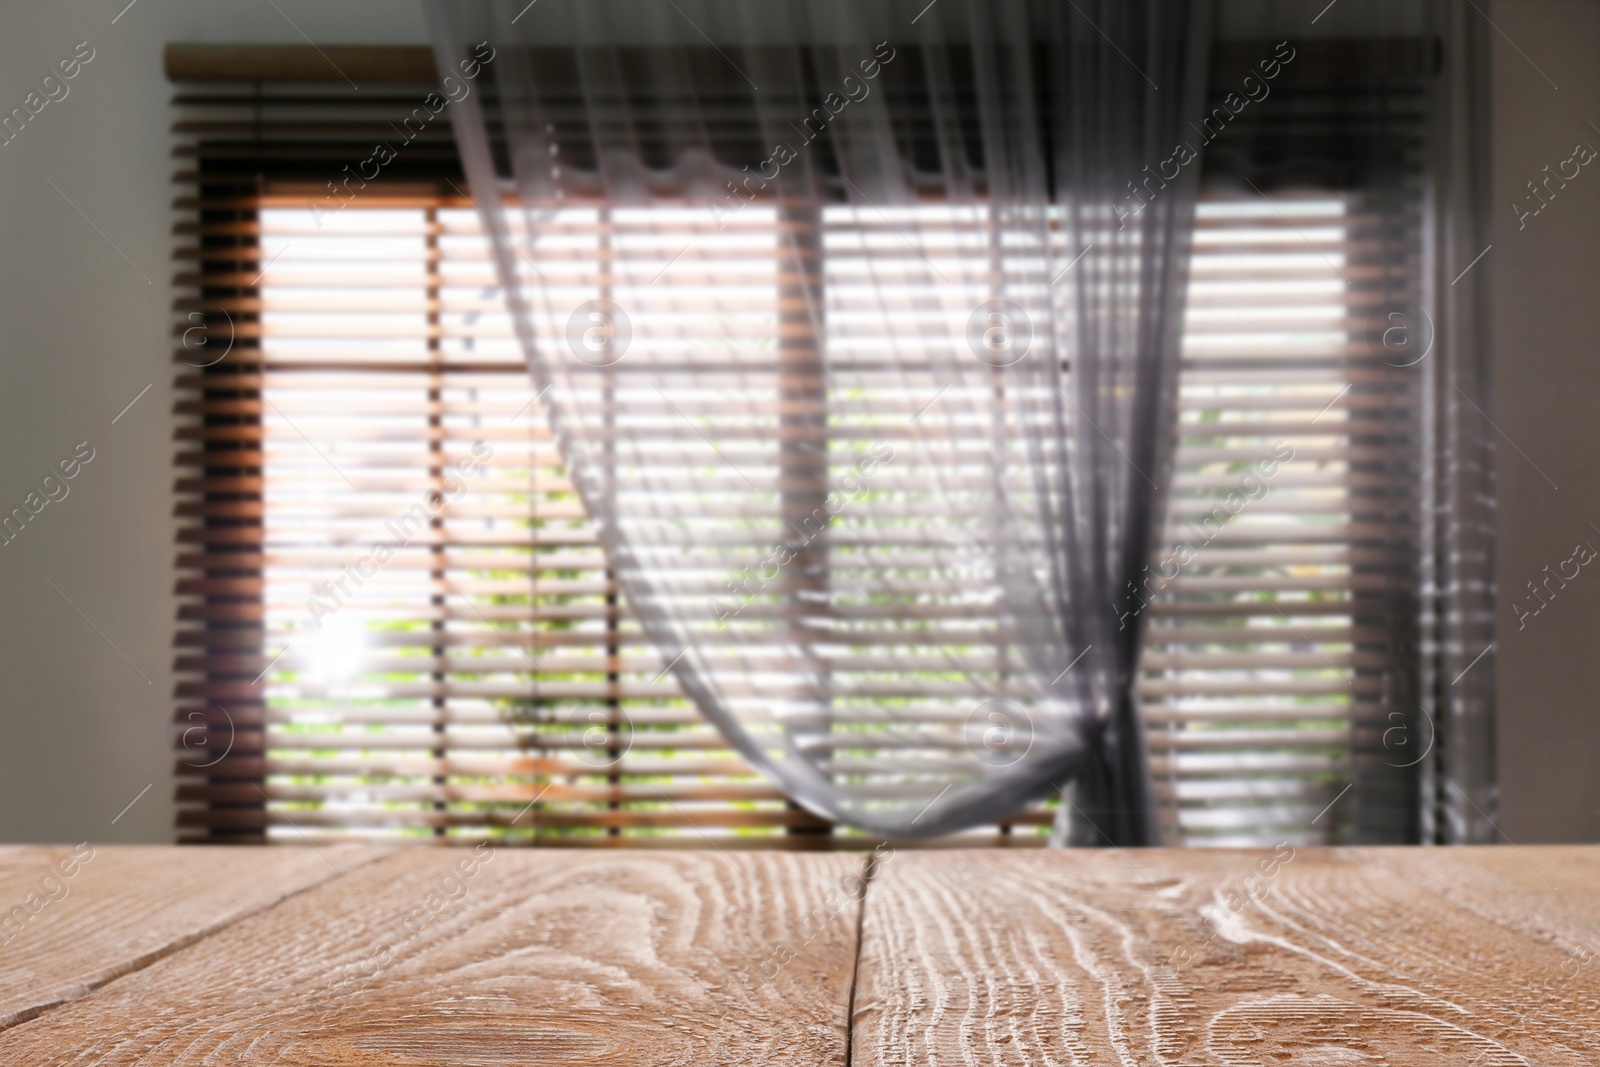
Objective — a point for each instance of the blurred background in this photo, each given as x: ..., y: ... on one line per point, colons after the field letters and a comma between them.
x: 93, y: 705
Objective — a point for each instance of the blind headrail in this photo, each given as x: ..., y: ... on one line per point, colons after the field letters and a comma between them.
x: 369, y: 64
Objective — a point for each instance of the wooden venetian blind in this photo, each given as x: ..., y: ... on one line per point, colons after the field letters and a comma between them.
x: 396, y: 620
x: 1279, y: 680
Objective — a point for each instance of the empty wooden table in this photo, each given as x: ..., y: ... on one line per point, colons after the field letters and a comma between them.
x: 296, y: 956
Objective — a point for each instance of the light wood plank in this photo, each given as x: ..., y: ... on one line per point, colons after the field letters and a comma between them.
x: 72, y: 919
x: 1480, y: 957
x: 538, y: 957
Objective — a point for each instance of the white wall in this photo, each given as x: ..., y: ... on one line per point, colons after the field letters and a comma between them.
x: 81, y: 333
x: 1546, y: 281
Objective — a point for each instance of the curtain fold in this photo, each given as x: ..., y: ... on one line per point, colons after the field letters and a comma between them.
x: 1125, y: 323
x: 1457, y: 780
x: 873, y: 396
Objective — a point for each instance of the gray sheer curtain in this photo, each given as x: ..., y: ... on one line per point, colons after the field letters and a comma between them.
x: 883, y: 538
x: 1458, y: 795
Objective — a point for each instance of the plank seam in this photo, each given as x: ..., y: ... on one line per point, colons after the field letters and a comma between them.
x: 81, y: 990
x: 869, y: 867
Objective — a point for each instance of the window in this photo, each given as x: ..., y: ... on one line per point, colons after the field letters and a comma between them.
x: 1277, y: 647
x: 450, y: 656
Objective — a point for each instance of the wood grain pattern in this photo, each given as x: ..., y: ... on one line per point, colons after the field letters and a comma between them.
x: 1481, y: 957
x: 530, y: 957
x: 73, y: 919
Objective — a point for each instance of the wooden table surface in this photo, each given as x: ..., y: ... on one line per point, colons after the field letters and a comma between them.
x: 1473, y: 957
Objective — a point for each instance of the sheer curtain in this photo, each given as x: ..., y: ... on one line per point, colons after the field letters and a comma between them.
x: 1457, y: 771
x: 857, y: 327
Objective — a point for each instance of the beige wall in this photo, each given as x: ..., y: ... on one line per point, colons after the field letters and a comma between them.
x: 1546, y: 283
